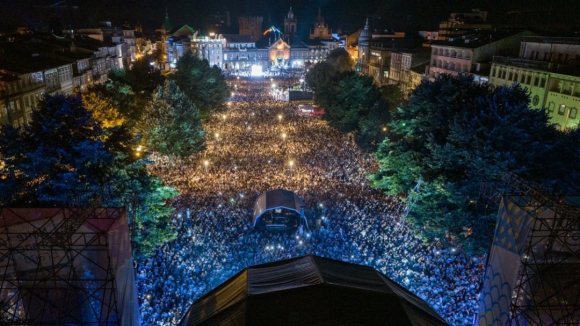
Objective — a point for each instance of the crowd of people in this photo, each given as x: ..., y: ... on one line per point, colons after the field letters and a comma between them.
x: 260, y: 144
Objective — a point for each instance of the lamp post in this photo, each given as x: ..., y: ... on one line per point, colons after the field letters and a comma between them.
x: 279, y: 118
x: 284, y: 136
x: 205, y: 164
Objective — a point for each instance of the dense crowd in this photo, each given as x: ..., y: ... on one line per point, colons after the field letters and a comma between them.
x: 260, y: 144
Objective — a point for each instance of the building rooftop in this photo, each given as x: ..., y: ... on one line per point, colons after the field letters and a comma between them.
x: 572, y: 69
x: 476, y: 39
x: 36, y: 54
x: 236, y: 38
x: 551, y: 39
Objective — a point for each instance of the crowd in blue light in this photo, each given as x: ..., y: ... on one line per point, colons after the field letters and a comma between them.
x: 246, y: 156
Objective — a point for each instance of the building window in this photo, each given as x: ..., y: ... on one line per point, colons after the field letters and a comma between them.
x: 551, y: 107
x: 573, y: 112
x: 562, y: 109
x: 543, y: 82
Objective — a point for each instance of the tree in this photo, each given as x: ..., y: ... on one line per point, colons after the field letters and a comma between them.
x: 355, y: 95
x: 142, y: 77
x: 205, y: 86
x: 340, y: 60
x: 103, y: 110
x: 454, y: 134
x: 64, y: 157
x: 57, y: 154
x: 321, y: 79
x: 171, y: 124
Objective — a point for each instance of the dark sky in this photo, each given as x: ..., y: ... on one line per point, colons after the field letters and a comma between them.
x: 346, y: 14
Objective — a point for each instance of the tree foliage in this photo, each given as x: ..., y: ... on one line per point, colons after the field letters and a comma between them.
x: 171, y: 123
x: 455, y: 134
x: 340, y: 60
x: 64, y: 157
x: 142, y: 77
x: 104, y: 112
x: 352, y: 102
x: 205, y: 86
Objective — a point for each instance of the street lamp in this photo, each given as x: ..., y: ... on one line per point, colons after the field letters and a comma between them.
x: 284, y: 136
x: 217, y: 136
x: 279, y: 118
x: 224, y: 116
x: 291, y: 164
x: 205, y: 164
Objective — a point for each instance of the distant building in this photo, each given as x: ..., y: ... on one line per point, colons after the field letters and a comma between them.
x: 32, y: 65
x: 374, y: 51
x: 321, y: 29
x: 402, y: 64
x: 472, y: 53
x: 251, y: 26
x: 290, y: 24
x: 429, y: 35
x: 549, y: 67
x: 461, y: 23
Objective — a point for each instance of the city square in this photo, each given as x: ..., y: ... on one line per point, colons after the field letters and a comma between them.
x: 248, y: 155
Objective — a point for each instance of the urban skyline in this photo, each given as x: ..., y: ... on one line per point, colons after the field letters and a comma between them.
x: 346, y: 15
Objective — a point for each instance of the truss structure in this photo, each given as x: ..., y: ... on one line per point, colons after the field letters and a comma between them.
x: 60, y: 266
x: 545, y: 233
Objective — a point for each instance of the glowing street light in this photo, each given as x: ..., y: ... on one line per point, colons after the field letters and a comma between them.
x: 284, y: 136
x: 217, y: 136
x: 233, y: 93
x: 205, y: 164
x: 273, y: 85
x: 291, y: 164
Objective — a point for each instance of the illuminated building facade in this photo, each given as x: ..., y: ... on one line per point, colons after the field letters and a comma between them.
x: 548, y: 68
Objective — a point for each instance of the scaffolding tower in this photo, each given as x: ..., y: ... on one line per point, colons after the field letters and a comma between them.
x: 534, y: 259
x: 62, y: 266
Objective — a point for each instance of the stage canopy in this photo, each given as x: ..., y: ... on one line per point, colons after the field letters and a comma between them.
x: 276, y: 199
x: 310, y: 290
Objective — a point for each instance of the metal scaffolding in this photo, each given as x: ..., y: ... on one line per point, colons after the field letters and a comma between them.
x: 56, y: 266
x: 546, y: 290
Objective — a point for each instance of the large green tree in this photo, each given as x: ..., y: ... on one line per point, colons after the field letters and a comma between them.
x: 171, y: 123
x: 64, y: 157
x: 142, y: 77
x: 453, y: 135
x: 353, y: 102
x: 205, y: 86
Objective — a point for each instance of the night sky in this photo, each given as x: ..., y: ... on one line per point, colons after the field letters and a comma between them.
x: 345, y: 14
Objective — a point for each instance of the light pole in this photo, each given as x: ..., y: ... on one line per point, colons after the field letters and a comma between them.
x: 284, y: 136
x: 279, y: 118
x: 205, y: 164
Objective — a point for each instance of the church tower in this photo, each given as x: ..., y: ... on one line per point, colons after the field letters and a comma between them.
x: 290, y: 23
x: 320, y: 28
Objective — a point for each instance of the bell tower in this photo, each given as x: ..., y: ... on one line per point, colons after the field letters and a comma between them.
x: 290, y: 23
